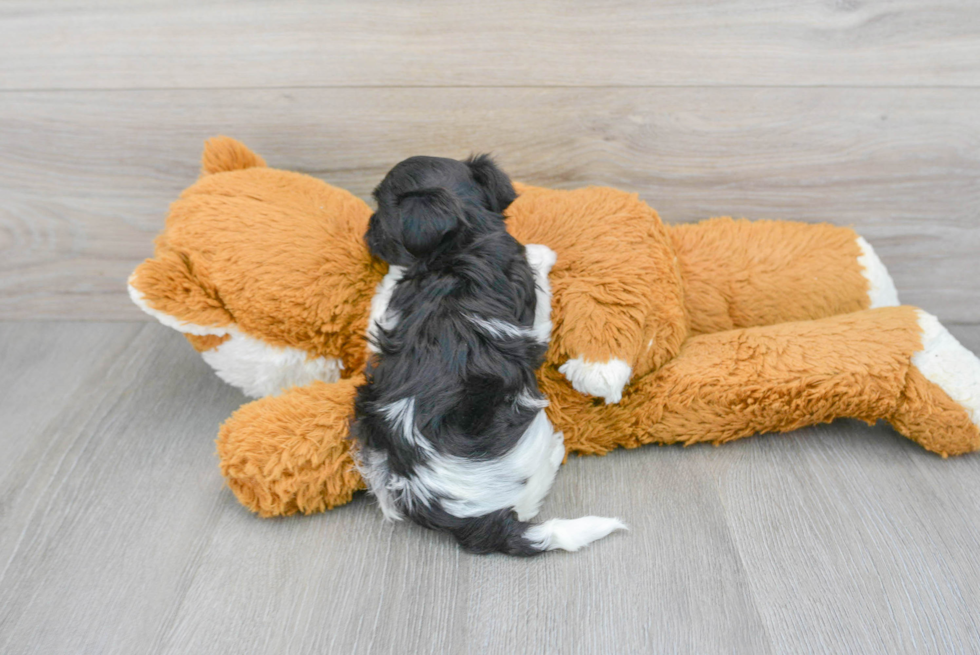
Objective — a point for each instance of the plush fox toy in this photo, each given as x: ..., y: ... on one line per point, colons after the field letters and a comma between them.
x: 702, y: 332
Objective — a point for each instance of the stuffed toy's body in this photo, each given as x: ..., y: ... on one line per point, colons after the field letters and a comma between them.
x: 702, y: 332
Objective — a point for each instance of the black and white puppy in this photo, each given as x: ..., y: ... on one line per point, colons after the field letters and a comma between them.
x: 450, y: 424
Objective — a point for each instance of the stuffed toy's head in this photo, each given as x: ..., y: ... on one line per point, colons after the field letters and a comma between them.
x: 270, y: 264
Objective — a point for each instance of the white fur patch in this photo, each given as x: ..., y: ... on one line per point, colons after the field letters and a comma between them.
x: 603, y: 379
x: 520, y: 479
x: 541, y: 259
x: 380, y: 318
x: 572, y: 534
x: 946, y: 363
x: 881, y: 288
x: 373, y: 467
x: 475, y: 488
x: 401, y: 414
x: 540, y: 475
x: 260, y: 369
x: 499, y: 329
x: 257, y: 368
x: 527, y: 399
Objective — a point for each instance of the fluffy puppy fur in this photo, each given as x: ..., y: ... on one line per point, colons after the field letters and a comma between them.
x: 450, y: 424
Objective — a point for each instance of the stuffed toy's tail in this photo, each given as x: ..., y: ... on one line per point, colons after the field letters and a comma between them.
x: 223, y: 153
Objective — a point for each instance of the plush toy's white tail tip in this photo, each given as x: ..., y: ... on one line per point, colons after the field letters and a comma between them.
x: 572, y: 534
x: 881, y: 288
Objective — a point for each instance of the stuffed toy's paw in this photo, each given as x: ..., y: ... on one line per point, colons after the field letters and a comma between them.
x: 290, y: 453
x: 603, y: 379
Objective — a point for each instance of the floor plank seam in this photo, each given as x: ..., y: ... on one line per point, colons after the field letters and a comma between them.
x: 733, y: 540
x: 598, y: 87
x: 189, y: 573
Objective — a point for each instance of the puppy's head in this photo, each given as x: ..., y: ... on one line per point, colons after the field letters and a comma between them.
x: 427, y: 206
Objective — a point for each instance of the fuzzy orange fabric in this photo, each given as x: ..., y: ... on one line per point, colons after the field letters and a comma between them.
x: 720, y: 387
x: 616, y: 282
x: 741, y: 273
x: 281, y: 455
x: 204, y: 342
x: 280, y: 255
x: 776, y: 378
x: 731, y: 328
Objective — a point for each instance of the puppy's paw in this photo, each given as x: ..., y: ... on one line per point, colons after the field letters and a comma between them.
x: 603, y: 379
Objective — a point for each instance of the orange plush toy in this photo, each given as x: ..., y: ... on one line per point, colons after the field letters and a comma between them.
x: 659, y: 334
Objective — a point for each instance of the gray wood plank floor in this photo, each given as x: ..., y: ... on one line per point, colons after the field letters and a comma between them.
x: 118, y: 535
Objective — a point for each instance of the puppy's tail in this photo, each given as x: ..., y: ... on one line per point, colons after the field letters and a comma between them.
x: 571, y: 534
x: 503, y: 532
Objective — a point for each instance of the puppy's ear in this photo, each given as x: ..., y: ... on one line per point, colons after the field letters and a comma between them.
x: 430, y: 218
x: 497, y: 189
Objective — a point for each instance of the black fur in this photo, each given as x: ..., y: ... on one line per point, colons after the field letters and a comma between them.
x: 443, y: 220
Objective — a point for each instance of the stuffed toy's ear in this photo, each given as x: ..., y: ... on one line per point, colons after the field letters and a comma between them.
x: 172, y: 290
x: 223, y: 153
x: 497, y: 189
x: 429, y: 218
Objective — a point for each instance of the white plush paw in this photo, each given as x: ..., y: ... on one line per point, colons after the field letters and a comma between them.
x: 881, y: 288
x: 603, y: 379
x: 946, y: 363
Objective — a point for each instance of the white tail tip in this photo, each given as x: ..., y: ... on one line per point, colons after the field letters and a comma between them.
x: 572, y: 534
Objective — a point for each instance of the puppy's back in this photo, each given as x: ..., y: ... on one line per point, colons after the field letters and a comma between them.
x: 451, y: 424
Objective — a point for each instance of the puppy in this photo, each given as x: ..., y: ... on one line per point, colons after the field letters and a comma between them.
x: 450, y: 424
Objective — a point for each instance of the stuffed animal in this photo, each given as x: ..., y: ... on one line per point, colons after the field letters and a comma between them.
x: 663, y: 334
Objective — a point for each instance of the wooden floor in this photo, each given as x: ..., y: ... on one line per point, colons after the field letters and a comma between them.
x: 117, y: 534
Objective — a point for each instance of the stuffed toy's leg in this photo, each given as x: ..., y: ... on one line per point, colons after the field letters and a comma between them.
x: 897, y: 364
x: 740, y: 273
x: 290, y: 453
x: 617, y: 297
